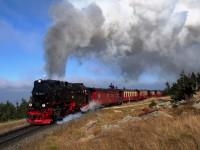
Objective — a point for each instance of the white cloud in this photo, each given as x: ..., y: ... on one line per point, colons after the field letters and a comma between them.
x: 193, y: 9
x: 4, y: 83
x: 15, y: 90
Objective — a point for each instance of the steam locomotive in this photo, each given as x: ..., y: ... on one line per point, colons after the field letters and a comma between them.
x: 52, y: 99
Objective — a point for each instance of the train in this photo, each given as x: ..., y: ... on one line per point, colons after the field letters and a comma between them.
x: 52, y: 100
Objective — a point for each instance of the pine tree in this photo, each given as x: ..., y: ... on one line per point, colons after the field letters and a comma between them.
x: 167, y: 89
x: 194, y: 81
x: 198, y: 81
x: 184, y: 87
x: 21, y: 111
x: 7, y: 111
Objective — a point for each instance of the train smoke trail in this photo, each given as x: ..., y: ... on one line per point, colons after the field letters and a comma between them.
x: 92, y: 106
x: 135, y: 35
x: 70, y: 118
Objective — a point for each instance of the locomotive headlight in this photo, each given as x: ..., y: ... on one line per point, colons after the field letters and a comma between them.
x: 43, y: 105
x: 30, y: 104
x: 39, y: 81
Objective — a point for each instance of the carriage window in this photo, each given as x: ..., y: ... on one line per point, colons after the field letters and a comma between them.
x: 99, y: 95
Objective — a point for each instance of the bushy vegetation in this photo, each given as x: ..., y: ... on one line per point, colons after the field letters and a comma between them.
x: 152, y: 104
x: 185, y: 87
x: 9, y: 111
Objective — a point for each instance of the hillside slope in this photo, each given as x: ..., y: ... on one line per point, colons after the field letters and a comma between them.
x: 130, y: 126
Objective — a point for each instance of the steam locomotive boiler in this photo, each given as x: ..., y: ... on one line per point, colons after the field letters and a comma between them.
x: 52, y: 100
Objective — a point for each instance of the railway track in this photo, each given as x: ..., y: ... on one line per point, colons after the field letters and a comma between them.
x: 14, y: 136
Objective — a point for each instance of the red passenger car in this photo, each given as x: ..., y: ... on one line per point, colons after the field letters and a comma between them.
x: 143, y: 94
x: 106, y: 97
x: 152, y: 93
x: 130, y: 95
x: 159, y: 93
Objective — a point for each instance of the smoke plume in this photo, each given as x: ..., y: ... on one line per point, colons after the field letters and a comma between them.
x: 136, y: 35
x: 92, y: 106
x: 73, y: 29
x: 69, y: 118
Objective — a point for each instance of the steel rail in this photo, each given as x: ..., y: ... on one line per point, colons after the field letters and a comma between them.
x: 14, y: 136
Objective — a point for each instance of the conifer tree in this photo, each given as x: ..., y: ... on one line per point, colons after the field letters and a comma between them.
x: 184, y: 87
x: 198, y: 81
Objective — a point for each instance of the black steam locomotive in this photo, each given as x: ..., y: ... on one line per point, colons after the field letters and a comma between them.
x: 52, y: 99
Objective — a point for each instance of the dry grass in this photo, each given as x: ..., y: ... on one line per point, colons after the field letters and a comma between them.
x: 103, y: 130
x: 11, y: 125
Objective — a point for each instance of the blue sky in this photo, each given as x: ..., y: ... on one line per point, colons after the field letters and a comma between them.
x: 23, y: 26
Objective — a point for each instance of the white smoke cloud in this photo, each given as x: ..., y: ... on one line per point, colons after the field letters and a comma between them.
x: 92, y: 106
x: 69, y: 118
x: 135, y: 35
x: 73, y: 29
